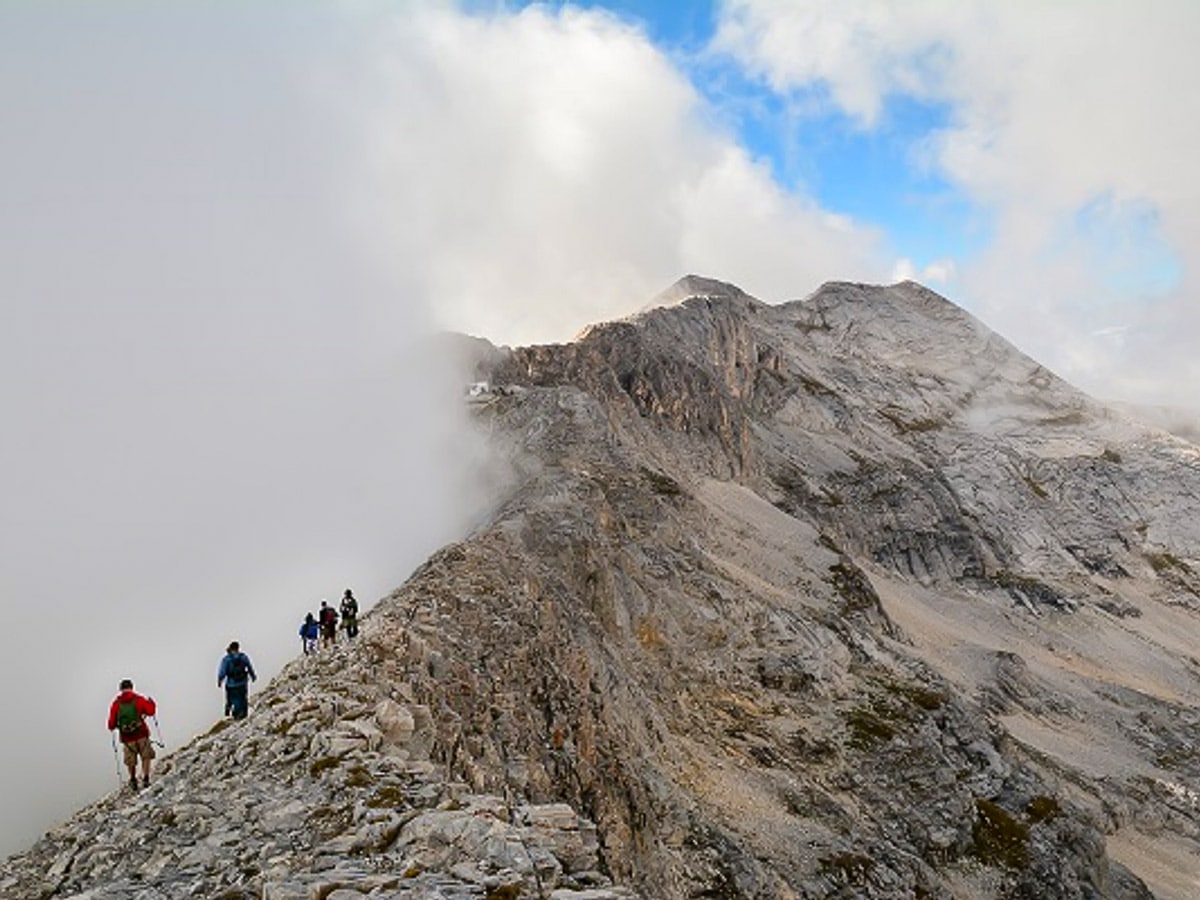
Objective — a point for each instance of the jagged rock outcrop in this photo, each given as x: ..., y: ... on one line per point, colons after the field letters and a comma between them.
x: 839, y: 598
x: 327, y: 790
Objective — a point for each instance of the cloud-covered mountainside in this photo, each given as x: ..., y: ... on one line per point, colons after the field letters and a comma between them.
x: 840, y: 598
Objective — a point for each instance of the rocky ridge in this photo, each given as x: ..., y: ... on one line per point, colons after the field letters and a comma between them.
x: 844, y: 597
x: 327, y: 790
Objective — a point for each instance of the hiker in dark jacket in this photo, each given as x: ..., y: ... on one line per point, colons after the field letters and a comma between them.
x: 328, y: 617
x: 236, y: 672
x: 127, y: 716
x: 309, y: 631
x: 350, y: 614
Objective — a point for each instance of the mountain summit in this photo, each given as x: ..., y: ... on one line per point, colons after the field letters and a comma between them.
x: 844, y: 597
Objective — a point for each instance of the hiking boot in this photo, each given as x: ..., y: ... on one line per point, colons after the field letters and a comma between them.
x: 133, y: 782
x: 146, y: 782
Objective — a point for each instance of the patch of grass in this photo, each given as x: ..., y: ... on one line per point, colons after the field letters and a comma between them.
x: 911, y: 426
x: 320, y: 765
x: 810, y: 750
x: 390, y: 795
x: 505, y: 892
x: 1111, y: 455
x: 998, y: 837
x: 382, y: 840
x: 1071, y: 418
x: 853, y: 587
x: 927, y: 699
x: 649, y: 635
x: 868, y: 730
x: 813, y: 324
x: 887, y: 714
x: 815, y: 387
x: 1030, y: 588
x: 829, y: 544
x: 1174, y: 757
x: 1042, y: 809
x: 1038, y: 491
x: 847, y: 868
x: 765, y: 756
x: 220, y: 725
x: 661, y: 483
x: 329, y: 821
x: 790, y: 478
x: 358, y: 776
x: 1165, y: 563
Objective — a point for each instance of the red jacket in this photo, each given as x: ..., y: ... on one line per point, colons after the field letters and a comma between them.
x: 145, y: 706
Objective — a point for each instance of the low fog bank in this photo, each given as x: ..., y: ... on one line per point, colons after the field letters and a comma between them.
x: 139, y: 547
x: 1180, y: 421
x: 218, y: 398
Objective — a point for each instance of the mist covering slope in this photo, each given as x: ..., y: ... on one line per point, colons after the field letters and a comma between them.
x: 840, y: 597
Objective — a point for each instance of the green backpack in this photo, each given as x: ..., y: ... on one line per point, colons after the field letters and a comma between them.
x: 129, y: 720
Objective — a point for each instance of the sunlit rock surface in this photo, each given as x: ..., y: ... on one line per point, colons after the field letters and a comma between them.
x: 844, y: 597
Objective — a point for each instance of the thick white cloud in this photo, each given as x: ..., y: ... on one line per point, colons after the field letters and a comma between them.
x: 1074, y: 125
x: 937, y: 273
x: 861, y: 51
x: 544, y: 171
x: 214, y: 404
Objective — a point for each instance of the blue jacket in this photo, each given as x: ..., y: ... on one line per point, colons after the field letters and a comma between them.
x: 225, y: 675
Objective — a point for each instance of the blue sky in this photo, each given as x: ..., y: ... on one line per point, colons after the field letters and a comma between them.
x: 883, y: 174
x: 683, y: 27
x: 875, y: 174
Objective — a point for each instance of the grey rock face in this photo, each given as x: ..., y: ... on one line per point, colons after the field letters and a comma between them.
x: 327, y: 790
x: 839, y: 598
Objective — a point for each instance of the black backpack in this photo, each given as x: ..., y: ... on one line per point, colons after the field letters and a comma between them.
x: 238, y: 668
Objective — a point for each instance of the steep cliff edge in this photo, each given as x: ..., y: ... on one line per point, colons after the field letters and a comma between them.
x: 843, y: 597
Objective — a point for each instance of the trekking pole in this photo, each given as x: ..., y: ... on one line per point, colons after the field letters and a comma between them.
x: 160, y: 742
x: 117, y: 760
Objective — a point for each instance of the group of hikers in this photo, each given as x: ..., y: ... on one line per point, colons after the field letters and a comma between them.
x: 129, y: 710
x: 325, y: 625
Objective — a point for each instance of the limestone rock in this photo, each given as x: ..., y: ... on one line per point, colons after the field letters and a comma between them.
x: 844, y: 597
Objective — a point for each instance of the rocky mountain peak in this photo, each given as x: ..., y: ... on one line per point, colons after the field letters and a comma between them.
x: 844, y: 597
x: 690, y: 286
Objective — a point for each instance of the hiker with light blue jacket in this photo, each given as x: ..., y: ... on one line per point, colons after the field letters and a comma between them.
x: 235, y: 673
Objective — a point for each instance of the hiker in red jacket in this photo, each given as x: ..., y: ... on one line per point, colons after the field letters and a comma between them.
x: 127, y: 715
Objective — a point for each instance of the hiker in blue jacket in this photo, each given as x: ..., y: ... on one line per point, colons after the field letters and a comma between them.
x: 235, y: 673
x: 309, y: 632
